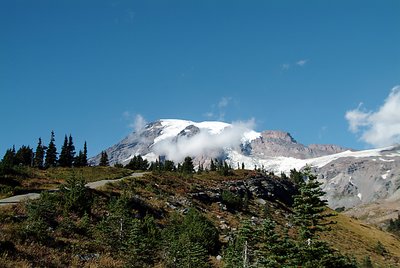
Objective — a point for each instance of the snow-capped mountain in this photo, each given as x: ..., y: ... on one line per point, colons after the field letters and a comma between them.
x: 351, y: 178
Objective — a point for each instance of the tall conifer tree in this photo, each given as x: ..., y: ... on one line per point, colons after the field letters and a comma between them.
x: 71, y: 151
x: 64, y: 155
x: 39, y: 155
x: 310, y: 216
x: 24, y: 156
x: 84, y: 161
x: 81, y: 159
x: 309, y: 207
x: 9, y: 158
x: 104, y: 159
x: 187, y: 166
x: 51, y: 153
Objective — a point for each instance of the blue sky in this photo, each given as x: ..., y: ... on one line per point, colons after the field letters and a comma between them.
x: 89, y: 67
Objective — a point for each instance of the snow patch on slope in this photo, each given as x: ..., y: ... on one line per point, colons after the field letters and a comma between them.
x: 285, y: 164
x: 384, y: 176
x: 172, y: 127
x: 212, y: 138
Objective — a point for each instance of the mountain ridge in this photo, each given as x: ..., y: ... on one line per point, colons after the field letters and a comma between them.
x: 350, y: 178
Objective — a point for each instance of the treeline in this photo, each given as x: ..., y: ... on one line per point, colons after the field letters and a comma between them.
x: 45, y: 156
x: 185, y: 167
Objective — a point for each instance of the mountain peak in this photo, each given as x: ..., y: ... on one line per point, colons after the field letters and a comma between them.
x: 177, y: 138
x: 278, y: 135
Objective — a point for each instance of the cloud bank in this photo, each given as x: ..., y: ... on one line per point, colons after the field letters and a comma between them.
x: 378, y: 128
x: 203, y: 143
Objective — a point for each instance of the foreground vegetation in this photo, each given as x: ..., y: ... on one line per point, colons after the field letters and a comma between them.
x: 164, y: 220
x: 174, y: 216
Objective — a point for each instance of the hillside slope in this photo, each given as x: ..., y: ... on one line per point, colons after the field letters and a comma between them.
x: 69, y: 238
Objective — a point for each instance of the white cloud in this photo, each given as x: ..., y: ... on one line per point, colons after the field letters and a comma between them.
x: 224, y: 102
x: 204, y: 143
x: 357, y: 118
x: 136, y: 122
x: 209, y: 114
x: 285, y: 66
x: 139, y: 123
x: 378, y: 128
x: 219, y: 110
x: 301, y: 63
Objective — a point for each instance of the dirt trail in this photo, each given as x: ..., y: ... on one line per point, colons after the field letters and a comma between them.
x: 92, y: 185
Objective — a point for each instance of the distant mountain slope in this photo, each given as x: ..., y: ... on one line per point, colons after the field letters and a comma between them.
x: 351, y: 178
x: 172, y: 137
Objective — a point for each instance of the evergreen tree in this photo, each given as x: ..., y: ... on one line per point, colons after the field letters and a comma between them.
x: 71, y: 151
x: 309, y: 208
x: 51, y: 153
x: 138, y: 163
x: 9, y: 159
x: 81, y: 159
x: 24, y: 156
x: 310, y: 217
x: 270, y: 253
x: 39, y: 155
x: 64, y: 155
x: 190, y: 240
x: 84, y: 160
x: 224, y: 169
x: 212, y: 166
x: 118, y: 165
x: 67, y: 154
x: 187, y: 166
x: 296, y: 176
x: 78, y: 159
x: 240, y: 250
x: 104, y: 159
x: 169, y: 165
x: 76, y: 197
x: 119, y: 231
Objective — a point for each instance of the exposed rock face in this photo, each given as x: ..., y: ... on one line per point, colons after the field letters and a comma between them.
x: 134, y: 144
x: 189, y: 131
x: 326, y: 149
x: 258, y: 187
x: 350, y: 182
x: 279, y: 143
x: 266, y: 188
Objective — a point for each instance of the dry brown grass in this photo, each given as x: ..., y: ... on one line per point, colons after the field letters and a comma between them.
x: 52, y: 178
x: 104, y: 261
x: 357, y: 239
